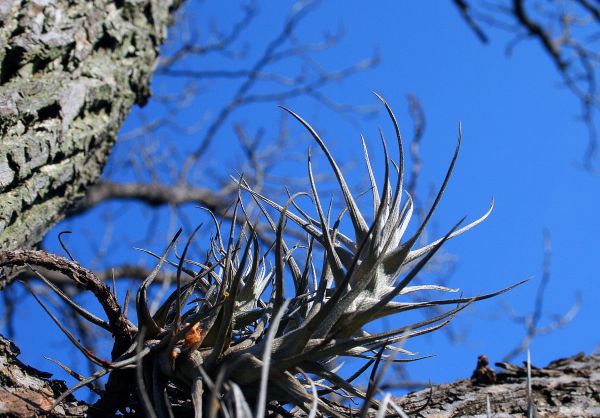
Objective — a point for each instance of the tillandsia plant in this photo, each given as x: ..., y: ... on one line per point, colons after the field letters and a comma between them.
x: 231, y: 341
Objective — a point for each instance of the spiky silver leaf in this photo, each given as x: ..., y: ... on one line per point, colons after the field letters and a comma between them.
x: 240, y: 347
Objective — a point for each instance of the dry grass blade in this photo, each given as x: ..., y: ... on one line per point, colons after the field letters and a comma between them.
x: 141, y: 385
x: 374, y: 380
x: 531, y: 412
x: 242, y: 409
x: 214, y: 401
x: 381, y: 411
x: 143, y: 313
x: 76, y: 375
x: 87, y: 353
x: 315, y: 396
x: 178, y: 284
x: 81, y: 311
x: 266, y: 361
x: 100, y: 373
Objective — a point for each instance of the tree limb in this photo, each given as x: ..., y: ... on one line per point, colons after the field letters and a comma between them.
x: 565, y: 388
x: 82, y: 277
x: 152, y: 194
x: 70, y: 73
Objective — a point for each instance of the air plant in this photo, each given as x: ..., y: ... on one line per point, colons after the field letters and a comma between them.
x: 232, y: 342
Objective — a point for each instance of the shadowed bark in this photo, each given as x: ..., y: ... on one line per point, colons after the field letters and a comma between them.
x: 565, y: 388
x: 69, y: 73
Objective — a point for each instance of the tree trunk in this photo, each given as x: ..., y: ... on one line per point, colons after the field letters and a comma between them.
x: 70, y: 71
x: 565, y: 388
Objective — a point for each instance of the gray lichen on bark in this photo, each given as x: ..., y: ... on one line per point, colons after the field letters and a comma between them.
x: 69, y: 73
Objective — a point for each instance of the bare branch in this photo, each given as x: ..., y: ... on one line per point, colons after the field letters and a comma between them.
x: 152, y: 194
x: 193, y: 47
x: 417, y: 116
x: 531, y: 321
x: 120, y: 326
x: 463, y: 8
x: 567, y: 31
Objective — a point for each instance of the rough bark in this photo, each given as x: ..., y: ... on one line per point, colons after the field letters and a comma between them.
x: 69, y: 73
x: 26, y: 392
x: 566, y: 388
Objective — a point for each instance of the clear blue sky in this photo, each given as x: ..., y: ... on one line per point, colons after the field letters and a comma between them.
x: 522, y: 145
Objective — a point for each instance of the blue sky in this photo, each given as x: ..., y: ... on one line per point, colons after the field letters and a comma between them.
x: 522, y: 144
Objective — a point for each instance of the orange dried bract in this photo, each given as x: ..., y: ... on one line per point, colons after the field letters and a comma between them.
x: 194, y: 336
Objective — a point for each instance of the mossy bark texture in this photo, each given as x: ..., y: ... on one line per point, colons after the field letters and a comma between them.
x: 70, y: 71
